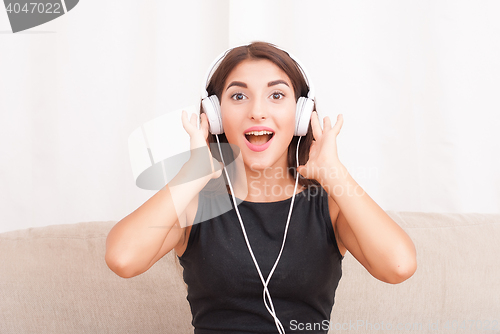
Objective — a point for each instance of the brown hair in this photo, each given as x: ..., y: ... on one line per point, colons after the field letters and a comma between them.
x: 256, y: 51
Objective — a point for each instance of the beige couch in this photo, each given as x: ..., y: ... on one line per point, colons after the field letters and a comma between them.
x: 54, y: 280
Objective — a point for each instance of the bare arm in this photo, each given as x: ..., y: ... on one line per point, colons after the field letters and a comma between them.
x: 368, y: 233
x: 135, y: 240
x: 361, y: 226
x: 159, y: 224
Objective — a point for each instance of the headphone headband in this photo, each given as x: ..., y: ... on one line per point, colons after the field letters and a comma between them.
x: 215, y: 64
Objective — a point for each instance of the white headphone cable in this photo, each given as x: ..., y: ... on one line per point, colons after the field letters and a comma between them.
x: 270, y: 308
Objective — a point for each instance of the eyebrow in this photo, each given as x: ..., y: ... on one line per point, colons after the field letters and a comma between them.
x: 269, y: 84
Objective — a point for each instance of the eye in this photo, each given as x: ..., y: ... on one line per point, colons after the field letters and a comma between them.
x: 277, y: 95
x: 238, y: 96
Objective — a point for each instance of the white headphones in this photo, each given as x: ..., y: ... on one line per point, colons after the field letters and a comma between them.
x: 211, y: 104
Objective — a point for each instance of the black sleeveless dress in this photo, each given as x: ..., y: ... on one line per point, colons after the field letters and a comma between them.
x: 224, y: 288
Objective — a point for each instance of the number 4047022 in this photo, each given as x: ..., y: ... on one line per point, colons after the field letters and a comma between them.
x: 34, y: 7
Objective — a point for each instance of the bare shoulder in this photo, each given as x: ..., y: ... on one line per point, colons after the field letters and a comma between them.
x: 189, y: 216
x: 335, y: 213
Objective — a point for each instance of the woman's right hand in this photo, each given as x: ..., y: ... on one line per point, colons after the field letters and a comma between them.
x: 201, y: 157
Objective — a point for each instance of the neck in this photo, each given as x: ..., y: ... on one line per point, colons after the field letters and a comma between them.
x: 270, y: 184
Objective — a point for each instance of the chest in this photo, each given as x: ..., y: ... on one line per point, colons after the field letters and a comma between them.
x: 308, y: 264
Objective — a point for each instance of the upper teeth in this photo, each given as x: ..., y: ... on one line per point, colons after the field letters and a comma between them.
x: 259, y: 133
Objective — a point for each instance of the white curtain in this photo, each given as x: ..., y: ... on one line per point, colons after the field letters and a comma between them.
x: 416, y: 81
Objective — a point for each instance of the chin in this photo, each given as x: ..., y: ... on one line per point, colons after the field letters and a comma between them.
x: 257, y: 165
x: 260, y: 164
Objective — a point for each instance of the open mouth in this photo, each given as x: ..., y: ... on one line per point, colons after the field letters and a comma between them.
x: 259, y: 138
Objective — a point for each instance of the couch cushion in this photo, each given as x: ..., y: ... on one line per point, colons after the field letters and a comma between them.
x: 457, y: 279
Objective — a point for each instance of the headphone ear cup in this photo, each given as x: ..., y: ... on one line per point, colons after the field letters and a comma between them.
x: 303, y: 114
x: 211, y: 107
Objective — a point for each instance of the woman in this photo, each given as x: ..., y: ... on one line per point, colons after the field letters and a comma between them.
x: 231, y: 258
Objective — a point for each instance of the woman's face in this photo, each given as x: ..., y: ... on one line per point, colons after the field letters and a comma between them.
x: 258, y: 96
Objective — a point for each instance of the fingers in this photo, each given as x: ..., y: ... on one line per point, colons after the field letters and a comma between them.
x: 316, y: 128
x: 185, y: 123
x: 204, y: 124
x: 203, y: 120
x: 191, y: 123
x: 327, y: 124
x: 193, y: 120
x: 338, y: 124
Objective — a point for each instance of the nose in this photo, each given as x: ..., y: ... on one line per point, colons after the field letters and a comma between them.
x: 258, y: 110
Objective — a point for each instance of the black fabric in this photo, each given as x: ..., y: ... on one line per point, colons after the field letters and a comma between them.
x: 224, y: 288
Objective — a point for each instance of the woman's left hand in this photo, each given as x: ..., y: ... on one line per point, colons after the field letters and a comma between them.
x: 323, y: 152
